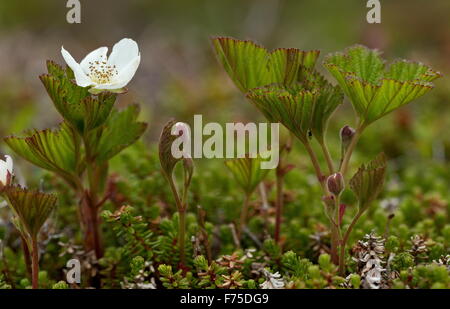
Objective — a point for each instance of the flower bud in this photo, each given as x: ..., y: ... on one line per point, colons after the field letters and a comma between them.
x: 346, y: 133
x: 335, y: 183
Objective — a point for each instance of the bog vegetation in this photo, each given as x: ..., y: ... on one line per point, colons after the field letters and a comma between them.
x: 136, y: 217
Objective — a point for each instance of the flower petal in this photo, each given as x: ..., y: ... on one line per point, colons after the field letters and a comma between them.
x: 96, y: 55
x: 126, y: 74
x: 81, y: 78
x: 3, y: 172
x: 123, y: 53
x: 124, y: 77
x: 9, y: 163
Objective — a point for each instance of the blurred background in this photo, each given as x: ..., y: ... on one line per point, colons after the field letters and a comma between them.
x: 179, y: 75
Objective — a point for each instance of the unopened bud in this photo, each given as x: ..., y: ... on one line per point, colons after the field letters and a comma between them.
x: 335, y: 183
x: 347, y: 133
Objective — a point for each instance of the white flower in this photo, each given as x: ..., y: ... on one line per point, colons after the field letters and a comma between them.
x: 6, y: 169
x: 101, y: 72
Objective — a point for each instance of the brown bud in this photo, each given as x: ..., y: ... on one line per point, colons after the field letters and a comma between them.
x: 335, y: 183
x: 346, y: 133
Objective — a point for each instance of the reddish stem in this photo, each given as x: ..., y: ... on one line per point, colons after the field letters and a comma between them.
x: 35, y: 264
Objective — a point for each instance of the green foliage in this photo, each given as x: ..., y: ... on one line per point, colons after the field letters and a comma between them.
x: 322, y: 275
x: 83, y: 111
x: 142, y: 239
x: 61, y: 285
x: 428, y: 277
x: 298, y: 266
x: 282, y: 84
x: 355, y: 281
x: 403, y: 261
x: 392, y: 244
x: 3, y: 284
x: 295, y: 112
x: 134, y: 233
x: 368, y: 181
x: 247, y: 172
x: 114, y: 266
x: 374, y: 90
x: 90, y: 121
x: 119, y: 132
x: 53, y: 150
x: 31, y: 207
x: 210, y: 276
x: 250, y: 65
x: 172, y: 280
x: 165, y: 245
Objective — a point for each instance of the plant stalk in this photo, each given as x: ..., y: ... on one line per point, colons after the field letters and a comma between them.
x: 279, y: 203
x: 327, y: 156
x: 244, y: 214
x: 350, y: 149
x: 345, y: 240
x: 27, y: 256
x: 182, y: 219
x: 335, y: 233
x: 35, y: 263
x: 315, y: 163
x: 90, y: 217
x: 182, y: 235
x: 90, y: 209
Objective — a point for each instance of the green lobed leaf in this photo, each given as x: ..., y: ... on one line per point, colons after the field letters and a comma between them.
x: 244, y: 61
x: 53, y: 150
x: 329, y: 97
x: 32, y: 208
x: 375, y: 91
x: 247, y: 172
x: 120, y: 131
x: 81, y: 109
x: 294, y: 111
x: 368, y: 181
x: 250, y: 65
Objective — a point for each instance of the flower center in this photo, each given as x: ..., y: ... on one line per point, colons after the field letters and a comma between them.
x: 100, y: 72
